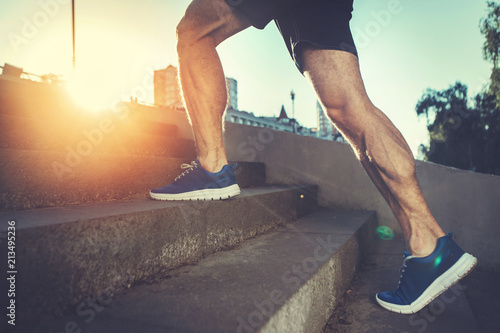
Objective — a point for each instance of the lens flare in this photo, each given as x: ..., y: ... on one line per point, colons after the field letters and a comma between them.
x: 438, y: 261
x: 385, y: 233
x: 91, y: 91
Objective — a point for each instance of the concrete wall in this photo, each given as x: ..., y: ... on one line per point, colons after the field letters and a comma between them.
x: 464, y: 202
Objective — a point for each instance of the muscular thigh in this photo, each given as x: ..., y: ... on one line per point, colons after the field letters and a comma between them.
x: 335, y: 76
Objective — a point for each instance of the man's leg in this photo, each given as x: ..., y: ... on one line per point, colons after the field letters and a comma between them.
x: 378, y: 144
x: 435, y: 261
x: 205, y: 25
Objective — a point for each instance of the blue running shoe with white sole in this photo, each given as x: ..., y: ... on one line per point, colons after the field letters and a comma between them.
x: 196, y: 183
x: 424, y: 279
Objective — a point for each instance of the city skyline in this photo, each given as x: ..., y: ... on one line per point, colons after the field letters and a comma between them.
x: 404, y: 48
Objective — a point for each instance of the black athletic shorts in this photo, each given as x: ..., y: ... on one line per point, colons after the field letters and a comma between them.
x: 322, y: 23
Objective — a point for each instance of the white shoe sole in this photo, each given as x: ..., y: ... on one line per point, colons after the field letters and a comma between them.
x: 455, y: 273
x: 205, y: 194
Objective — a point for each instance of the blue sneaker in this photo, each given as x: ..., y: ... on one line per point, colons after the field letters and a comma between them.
x: 424, y: 279
x: 196, y: 183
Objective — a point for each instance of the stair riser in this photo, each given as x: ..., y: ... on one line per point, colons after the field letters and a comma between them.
x: 34, y: 179
x: 65, y: 263
x: 28, y: 98
x: 88, y: 135
x: 323, y: 290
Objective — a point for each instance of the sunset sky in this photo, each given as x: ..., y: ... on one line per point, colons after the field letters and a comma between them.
x: 424, y: 44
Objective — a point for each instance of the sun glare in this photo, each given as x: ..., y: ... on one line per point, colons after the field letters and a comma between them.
x: 90, y: 89
x: 102, y: 70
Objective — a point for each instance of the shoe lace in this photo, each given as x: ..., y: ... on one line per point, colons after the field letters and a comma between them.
x: 188, y: 167
x: 403, y: 267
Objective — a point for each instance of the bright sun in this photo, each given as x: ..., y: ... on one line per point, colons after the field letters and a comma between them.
x: 91, y: 89
x: 101, y: 74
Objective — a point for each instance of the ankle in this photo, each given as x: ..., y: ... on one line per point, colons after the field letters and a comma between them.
x: 213, y: 165
x: 422, y: 246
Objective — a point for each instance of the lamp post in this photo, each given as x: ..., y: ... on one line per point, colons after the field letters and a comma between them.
x: 292, y: 95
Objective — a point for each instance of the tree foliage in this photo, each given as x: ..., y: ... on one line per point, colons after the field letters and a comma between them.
x: 465, y: 133
x: 490, y: 28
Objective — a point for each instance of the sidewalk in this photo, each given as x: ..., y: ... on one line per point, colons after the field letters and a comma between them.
x: 472, y: 305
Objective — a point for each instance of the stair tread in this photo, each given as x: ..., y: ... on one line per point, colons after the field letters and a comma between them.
x: 220, y: 292
x: 70, y: 253
x: 32, y: 218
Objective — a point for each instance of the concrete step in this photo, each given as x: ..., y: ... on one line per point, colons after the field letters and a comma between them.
x: 88, y: 134
x: 285, y: 281
x: 25, y: 97
x: 358, y: 310
x: 33, y: 100
x: 40, y: 117
x: 67, y: 254
x: 33, y: 179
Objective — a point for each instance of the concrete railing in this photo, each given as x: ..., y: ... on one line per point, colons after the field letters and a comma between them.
x: 464, y: 202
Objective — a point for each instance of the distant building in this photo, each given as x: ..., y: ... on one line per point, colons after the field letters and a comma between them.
x: 168, y: 91
x: 11, y: 71
x: 291, y: 124
x: 280, y: 123
x: 326, y: 130
x: 232, y: 88
x: 166, y: 85
x: 248, y: 118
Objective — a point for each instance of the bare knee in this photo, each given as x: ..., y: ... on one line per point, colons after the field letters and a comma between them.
x: 350, y: 113
x: 342, y: 105
x: 211, y: 21
x: 354, y: 121
x: 189, y: 32
x: 337, y: 111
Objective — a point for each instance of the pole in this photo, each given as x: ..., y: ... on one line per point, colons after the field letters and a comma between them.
x: 292, y: 95
x: 73, y: 22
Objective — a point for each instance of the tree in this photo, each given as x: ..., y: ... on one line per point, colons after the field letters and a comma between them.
x: 464, y: 133
x: 490, y: 28
x: 490, y: 113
